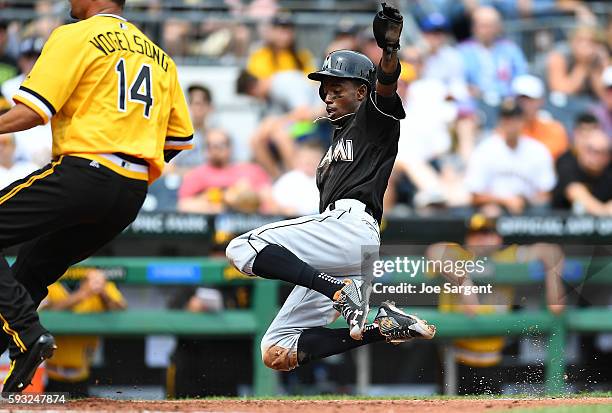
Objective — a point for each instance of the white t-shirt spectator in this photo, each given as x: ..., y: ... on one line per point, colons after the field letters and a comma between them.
x: 290, y: 90
x: 19, y: 170
x: 498, y: 170
x: 297, y: 192
x: 424, y: 134
x: 32, y: 145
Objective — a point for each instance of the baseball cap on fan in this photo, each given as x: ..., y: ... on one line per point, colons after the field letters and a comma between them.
x: 434, y: 22
x: 607, y: 77
x: 529, y: 86
x: 31, y: 46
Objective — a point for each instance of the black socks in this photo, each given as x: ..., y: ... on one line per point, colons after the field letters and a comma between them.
x: 278, y: 263
x: 320, y: 342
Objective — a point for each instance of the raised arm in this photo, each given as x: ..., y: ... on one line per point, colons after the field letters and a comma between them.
x: 387, y: 28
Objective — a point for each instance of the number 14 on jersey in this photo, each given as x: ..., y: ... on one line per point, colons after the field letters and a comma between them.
x: 140, y: 91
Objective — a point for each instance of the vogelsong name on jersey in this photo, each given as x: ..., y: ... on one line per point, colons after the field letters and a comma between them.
x: 111, y: 42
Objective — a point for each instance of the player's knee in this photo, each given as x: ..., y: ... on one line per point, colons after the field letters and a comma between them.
x: 236, y: 253
x: 279, y: 358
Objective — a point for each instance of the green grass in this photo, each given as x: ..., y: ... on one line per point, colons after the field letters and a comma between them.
x: 594, y: 408
x: 419, y: 397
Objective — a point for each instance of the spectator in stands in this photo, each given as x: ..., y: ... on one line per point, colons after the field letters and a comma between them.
x: 291, y: 99
x: 11, y: 170
x: 48, y: 20
x: 425, y: 140
x: 33, y: 145
x: 220, y: 185
x: 69, y: 369
x: 287, y: 93
x: 280, y: 51
x: 8, y: 66
x: 346, y: 37
x: 200, y: 107
x: 441, y: 61
x: 296, y: 192
x: 225, y: 40
x: 584, y: 124
x: 509, y: 171
x: 603, y: 109
x: 530, y: 94
x: 479, y: 357
x: 176, y: 37
x: 585, y: 175
x: 491, y: 62
x: 575, y: 69
x: 368, y: 45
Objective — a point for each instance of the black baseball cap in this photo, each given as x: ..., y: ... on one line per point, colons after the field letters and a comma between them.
x: 434, y: 22
x: 31, y: 46
x: 346, y: 27
x: 283, y: 19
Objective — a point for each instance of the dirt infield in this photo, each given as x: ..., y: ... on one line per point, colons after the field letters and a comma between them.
x: 320, y: 406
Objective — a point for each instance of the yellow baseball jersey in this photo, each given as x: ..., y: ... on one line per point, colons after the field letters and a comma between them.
x: 72, y: 359
x: 108, y: 89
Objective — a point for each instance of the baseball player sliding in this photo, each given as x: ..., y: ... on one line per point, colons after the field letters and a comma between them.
x: 318, y: 252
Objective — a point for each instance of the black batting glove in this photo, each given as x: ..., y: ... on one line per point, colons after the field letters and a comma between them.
x: 387, y: 28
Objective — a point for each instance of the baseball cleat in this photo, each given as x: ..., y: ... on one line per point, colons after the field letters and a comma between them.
x: 349, y: 302
x: 398, y: 327
x: 23, y: 367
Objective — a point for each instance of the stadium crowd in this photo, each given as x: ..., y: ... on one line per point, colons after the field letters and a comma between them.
x: 505, y: 122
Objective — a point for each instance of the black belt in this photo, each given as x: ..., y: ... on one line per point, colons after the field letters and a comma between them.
x: 368, y: 210
x: 131, y: 159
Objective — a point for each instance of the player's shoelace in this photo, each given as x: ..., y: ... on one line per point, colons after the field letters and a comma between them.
x: 349, y: 301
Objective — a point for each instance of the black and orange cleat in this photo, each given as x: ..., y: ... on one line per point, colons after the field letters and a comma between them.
x: 23, y: 367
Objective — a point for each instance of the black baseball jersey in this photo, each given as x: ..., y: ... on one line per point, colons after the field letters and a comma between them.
x: 363, y: 150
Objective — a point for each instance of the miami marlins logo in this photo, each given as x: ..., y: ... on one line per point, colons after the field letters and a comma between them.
x: 343, y: 151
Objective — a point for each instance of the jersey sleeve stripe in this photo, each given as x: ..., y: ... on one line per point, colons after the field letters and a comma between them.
x: 179, y: 143
x: 181, y: 147
x: 44, y: 115
x: 39, y: 97
x: 378, y: 109
x: 181, y: 139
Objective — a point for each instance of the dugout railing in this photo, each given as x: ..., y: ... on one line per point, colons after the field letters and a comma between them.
x: 253, y: 322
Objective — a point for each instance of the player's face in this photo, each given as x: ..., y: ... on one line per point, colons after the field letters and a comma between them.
x: 342, y: 96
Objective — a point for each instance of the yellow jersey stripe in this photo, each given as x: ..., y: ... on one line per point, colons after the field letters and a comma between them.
x: 178, y: 147
x: 8, y: 330
x: 29, y: 182
x: 11, y: 368
x: 114, y: 167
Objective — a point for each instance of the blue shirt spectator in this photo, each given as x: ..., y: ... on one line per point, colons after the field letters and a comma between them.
x: 491, y: 62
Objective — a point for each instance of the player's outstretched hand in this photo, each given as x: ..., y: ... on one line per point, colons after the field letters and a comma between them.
x: 387, y: 28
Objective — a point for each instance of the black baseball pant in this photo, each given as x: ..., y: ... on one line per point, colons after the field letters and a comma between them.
x: 62, y: 214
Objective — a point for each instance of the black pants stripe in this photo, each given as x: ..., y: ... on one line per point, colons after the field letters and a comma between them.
x: 62, y: 214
